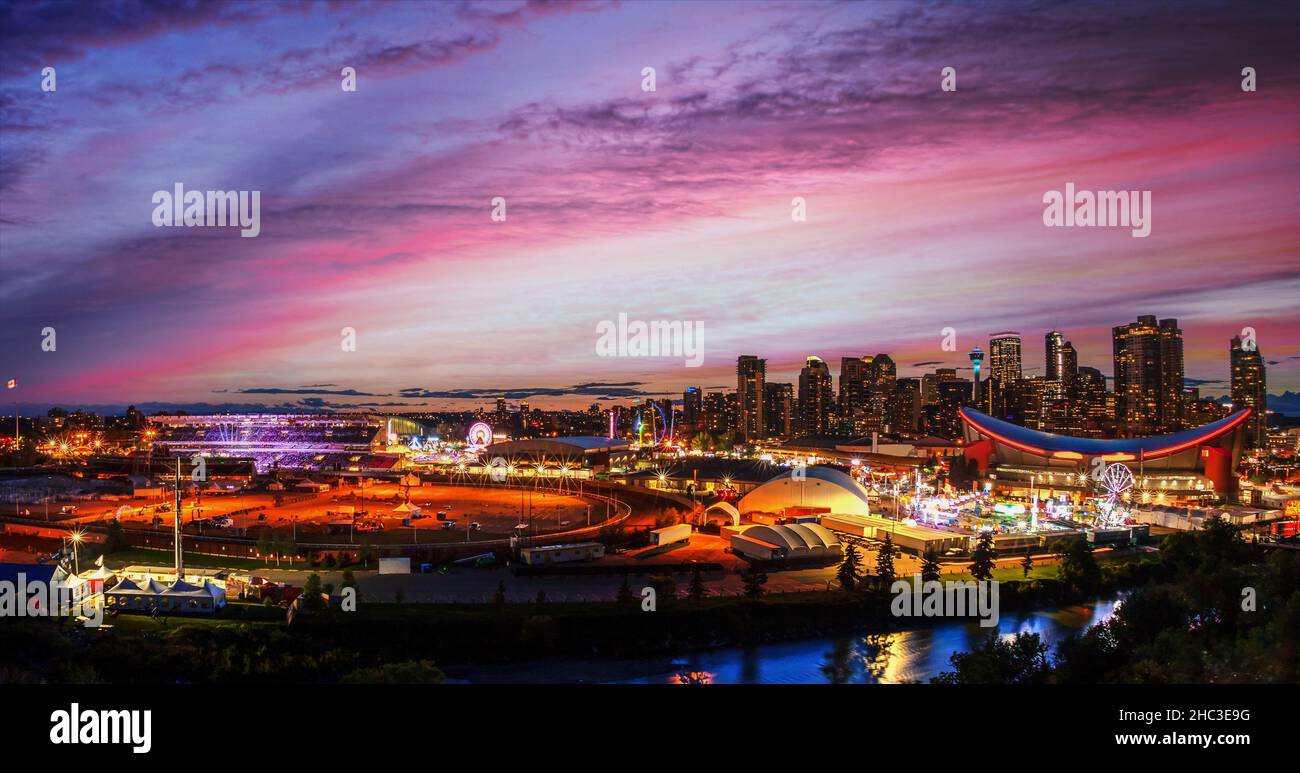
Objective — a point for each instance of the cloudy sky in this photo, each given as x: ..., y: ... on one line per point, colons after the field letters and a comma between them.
x: 924, y: 207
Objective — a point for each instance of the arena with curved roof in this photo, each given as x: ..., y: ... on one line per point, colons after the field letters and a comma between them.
x: 1209, y: 453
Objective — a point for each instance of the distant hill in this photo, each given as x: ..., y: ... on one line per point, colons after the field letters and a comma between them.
x: 1287, y: 403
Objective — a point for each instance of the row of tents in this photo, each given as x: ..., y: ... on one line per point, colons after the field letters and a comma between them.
x: 151, y: 595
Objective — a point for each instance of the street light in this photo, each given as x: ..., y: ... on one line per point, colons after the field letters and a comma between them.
x: 76, y: 537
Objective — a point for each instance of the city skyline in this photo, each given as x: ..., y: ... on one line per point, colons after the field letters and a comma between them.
x: 924, y: 207
x: 586, y: 395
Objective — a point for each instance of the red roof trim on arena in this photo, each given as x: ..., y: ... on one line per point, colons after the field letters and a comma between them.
x: 1047, y: 444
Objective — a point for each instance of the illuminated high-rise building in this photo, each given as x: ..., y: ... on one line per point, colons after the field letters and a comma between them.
x: 692, y: 407
x: 778, y: 410
x: 1149, y: 375
x: 751, y: 373
x: 814, y: 397
x: 1067, y: 369
x: 854, y: 388
x: 1004, y: 357
x: 1249, y: 388
x: 1052, y: 343
x: 715, y: 418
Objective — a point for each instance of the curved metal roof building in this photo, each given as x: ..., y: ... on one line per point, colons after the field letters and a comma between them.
x: 798, y: 539
x: 1211, y: 450
x: 820, y: 487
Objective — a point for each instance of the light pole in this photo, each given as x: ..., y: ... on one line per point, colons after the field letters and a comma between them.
x: 76, y: 538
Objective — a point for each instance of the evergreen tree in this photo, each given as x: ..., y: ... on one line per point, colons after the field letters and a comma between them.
x: 625, y: 594
x: 115, y: 540
x: 850, y: 567
x: 982, y: 558
x: 930, y: 566
x: 696, y: 591
x: 754, y: 579
x: 311, y: 594
x: 885, y: 573
x: 1079, y: 569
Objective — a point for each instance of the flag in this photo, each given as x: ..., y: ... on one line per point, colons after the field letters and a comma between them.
x: 13, y: 382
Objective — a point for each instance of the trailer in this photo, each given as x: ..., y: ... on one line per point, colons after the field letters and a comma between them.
x: 557, y: 554
x: 855, y: 525
x: 669, y: 534
x: 1109, y: 536
x: 756, y: 549
x: 395, y: 565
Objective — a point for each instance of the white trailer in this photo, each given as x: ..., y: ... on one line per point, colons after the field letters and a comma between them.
x: 756, y: 548
x: 558, y: 554
x: 395, y: 565
x: 669, y: 534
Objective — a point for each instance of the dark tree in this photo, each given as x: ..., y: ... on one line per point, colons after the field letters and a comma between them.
x: 885, y: 563
x: 930, y: 566
x: 754, y: 578
x: 1020, y: 660
x: 311, y: 594
x: 625, y: 594
x: 850, y: 568
x: 696, y: 591
x: 983, y: 557
x: 115, y: 540
x: 1079, y: 569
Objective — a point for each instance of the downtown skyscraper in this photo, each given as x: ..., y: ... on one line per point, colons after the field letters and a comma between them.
x: 751, y: 373
x: 815, y: 397
x: 1148, y: 360
x: 1249, y: 387
x: 1004, y: 357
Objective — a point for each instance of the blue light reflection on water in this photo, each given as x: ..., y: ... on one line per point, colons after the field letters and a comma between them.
x: 887, y: 658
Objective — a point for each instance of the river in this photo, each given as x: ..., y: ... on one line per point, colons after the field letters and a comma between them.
x: 863, y: 658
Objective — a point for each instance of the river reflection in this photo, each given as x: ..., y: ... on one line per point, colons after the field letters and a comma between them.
x: 889, y: 658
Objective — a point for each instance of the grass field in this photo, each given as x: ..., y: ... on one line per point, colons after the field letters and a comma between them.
x: 1045, y: 571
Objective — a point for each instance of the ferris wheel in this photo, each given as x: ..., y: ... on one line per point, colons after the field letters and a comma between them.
x: 1115, y: 481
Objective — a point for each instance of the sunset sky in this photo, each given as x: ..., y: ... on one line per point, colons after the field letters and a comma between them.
x: 924, y: 207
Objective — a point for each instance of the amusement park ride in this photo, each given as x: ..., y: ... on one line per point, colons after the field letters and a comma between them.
x: 1113, y: 485
x: 660, y: 426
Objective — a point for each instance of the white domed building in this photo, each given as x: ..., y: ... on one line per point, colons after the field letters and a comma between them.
x: 817, y: 487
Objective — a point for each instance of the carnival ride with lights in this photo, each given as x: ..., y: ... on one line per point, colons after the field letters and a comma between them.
x: 1114, y: 484
x: 479, y: 435
x: 661, y: 426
